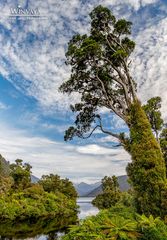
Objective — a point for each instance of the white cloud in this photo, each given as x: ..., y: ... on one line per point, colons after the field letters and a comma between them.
x: 41, y: 62
x: 94, y: 149
x: 135, y: 4
x: 3, y: 106
x: 47, y: 156
x: 117, y: 123
x: 108, y: 139
x: 149, y: 64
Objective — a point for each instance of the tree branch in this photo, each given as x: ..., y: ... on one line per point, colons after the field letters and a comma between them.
x: 81, y: 136
x: 110, y: 104
x: 108, y: 132
x: 127, y: 99
x: 130, y: 81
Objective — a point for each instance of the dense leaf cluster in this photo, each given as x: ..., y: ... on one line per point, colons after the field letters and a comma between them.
x: 53, y: 184
x: 119, y: 223
x: 110, y: 195
x: 100, y: 71
x: 147, y: 171
x: 34, y: 203
x: 22, y: 200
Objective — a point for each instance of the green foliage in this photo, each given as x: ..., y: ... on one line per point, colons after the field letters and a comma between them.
x: 53, y: 183
x: 106, y: 199
x: 110, y: 195
x: 126, y: 199
x: 97, y: 61
x: 5, y: 185
x: 35, y: 203
x: 110, y: 183
x: 152, y: 229
x: 5, y: 180
x: 31, y: 229
x: 23, y: 200
x: 152, y: 109
x: 118, y: 223
x: 147, y: 171
x: 100, y: 73
x: 154, y: 115
x: 21, y: 174
x: 163, y: 144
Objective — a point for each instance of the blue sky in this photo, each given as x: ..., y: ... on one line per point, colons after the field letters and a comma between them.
x: 34, y: 115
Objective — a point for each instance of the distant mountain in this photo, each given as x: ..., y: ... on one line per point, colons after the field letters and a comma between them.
x: 84, y: 188
x: 95, y: 192
x: 4, y: 167
x: 34, y: 179
x: 123, y: 184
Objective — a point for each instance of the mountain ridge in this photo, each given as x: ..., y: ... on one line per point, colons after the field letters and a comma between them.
x: 92, y: 190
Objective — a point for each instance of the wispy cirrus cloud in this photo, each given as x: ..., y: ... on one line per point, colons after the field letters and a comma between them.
x: 32, y: 58
x: 33, y: 52
x: 3, y: 106
x: 149, y: 62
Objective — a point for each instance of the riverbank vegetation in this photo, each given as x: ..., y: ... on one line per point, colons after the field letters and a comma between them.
x: 110, y: 193
x: 22, y: 200
x: 119, y: 223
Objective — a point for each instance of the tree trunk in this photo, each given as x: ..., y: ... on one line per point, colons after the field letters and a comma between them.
x: 147, y: 171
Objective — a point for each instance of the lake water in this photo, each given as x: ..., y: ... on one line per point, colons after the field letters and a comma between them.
x: 86, y: 209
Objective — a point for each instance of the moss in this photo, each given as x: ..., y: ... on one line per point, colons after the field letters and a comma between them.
x: 147, y: 171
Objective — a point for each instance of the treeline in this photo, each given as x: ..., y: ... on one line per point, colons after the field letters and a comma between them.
x: 21, y: 199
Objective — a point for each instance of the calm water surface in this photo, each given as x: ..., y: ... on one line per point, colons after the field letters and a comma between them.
x: 86, y: 209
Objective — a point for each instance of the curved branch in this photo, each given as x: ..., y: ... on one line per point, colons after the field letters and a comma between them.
x: 102, y: 129
x: 110, y: 104
x: 116, y: 69
x: 109, y: 132
x: 110, y: 45
x: 127, y: 99
x: 81, y: 136
x: 130, y: 81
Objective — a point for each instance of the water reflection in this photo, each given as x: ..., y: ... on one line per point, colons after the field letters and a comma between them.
x: 86, y: 207
x: 45, y: 229
x: 51, y: 228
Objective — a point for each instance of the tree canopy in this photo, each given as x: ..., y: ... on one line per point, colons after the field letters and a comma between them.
x: 100, y: 72
x: 152, y: 109
x: 21, y: 174
x: 53, y: 183
x: 110, y: 193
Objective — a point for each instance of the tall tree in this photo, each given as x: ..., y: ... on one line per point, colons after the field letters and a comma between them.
x: 163, y: 143
x: 53, y: 183
x: 21, y: 174
x: 152, y: 109
x: 100, y: 73
x: 110, y: 195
